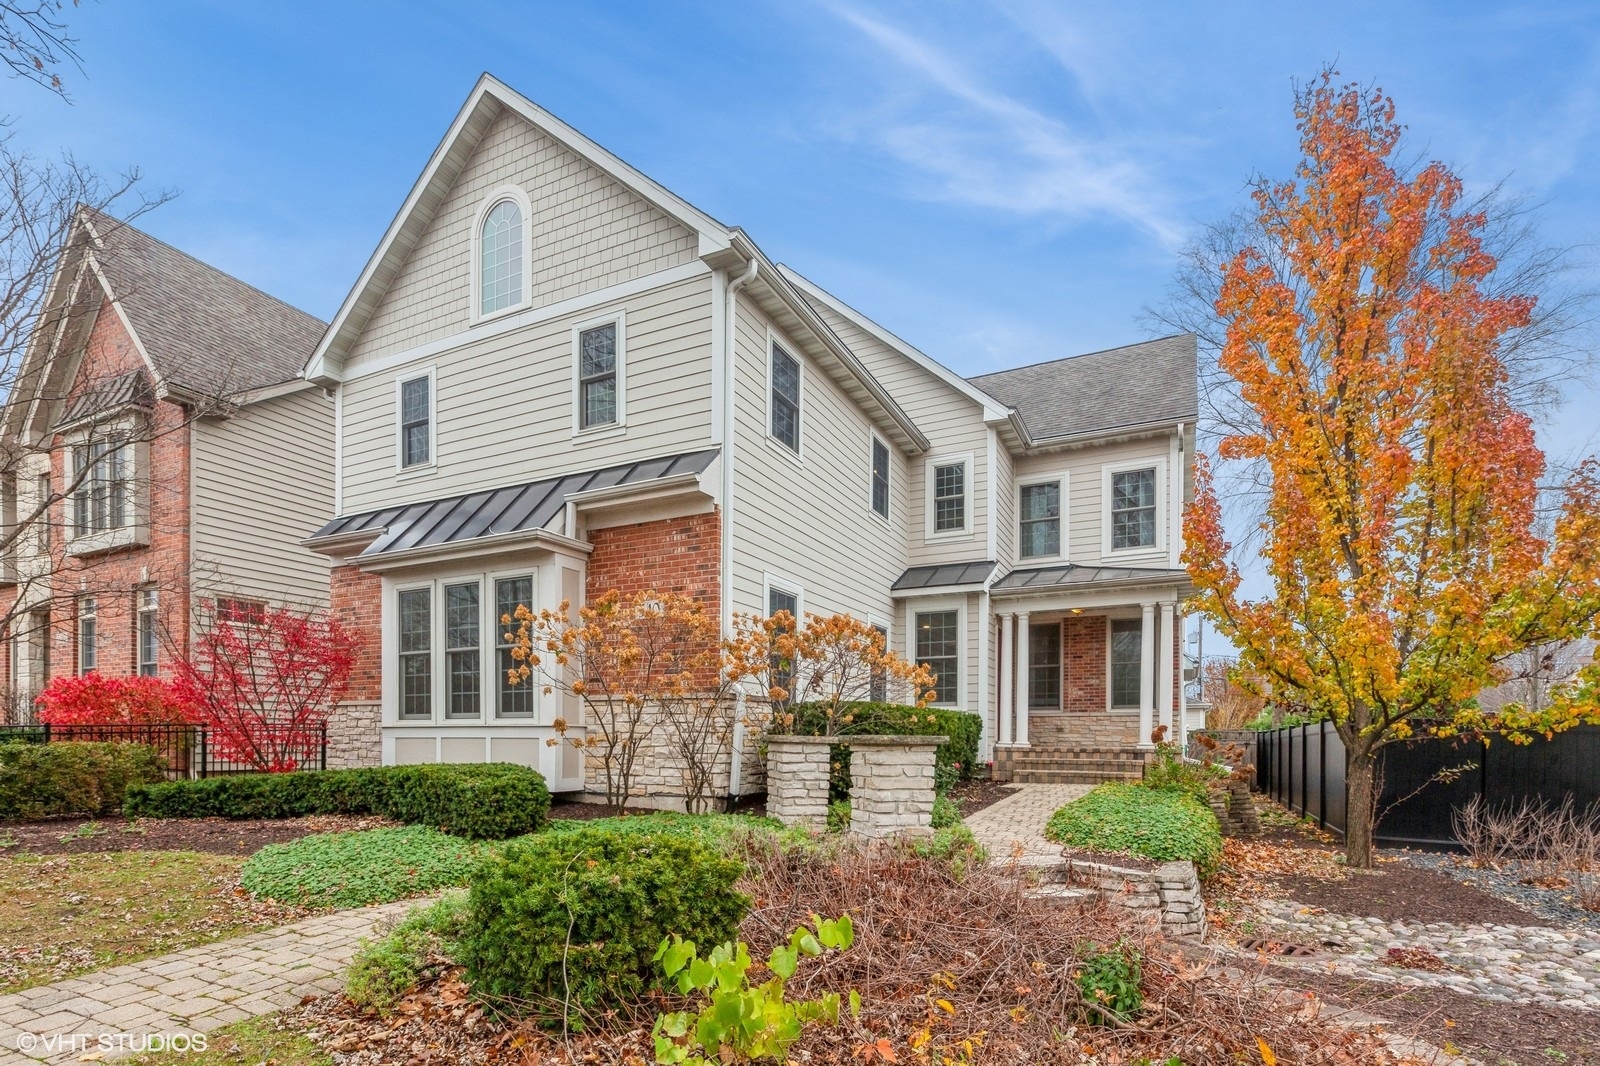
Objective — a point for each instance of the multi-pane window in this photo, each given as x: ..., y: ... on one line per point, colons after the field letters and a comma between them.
x: 949, y: 497
x: 500, y: 252
x: 880, y: 477
x: 878, y: 682
x: 416, y: 653
x: 1044, y: 666
x: 463, y: 622
x: 1133, y: 509
x: 1039, y: 534
x: 146, y: 634
x: 41, y: 524
x: 515, y: 699
x: 782, y: 669
x: 100, y: 472
x: 238, y: 611
x: 88, y: 645
x: 938, y: 650
x: 1127, y: 658
x: 416, y: 421
x: 785, y: 398
x: 597, y: 376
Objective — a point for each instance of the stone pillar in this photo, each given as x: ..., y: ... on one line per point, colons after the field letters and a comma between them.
x: 797, y: 780
x: 1008, y: 655
x: 1022, y: 679
x: 891, y: 785
x: 1147, y: 665
x: 1164, y: 690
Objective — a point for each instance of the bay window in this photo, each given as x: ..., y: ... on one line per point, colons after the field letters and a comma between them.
x: 445, y: 668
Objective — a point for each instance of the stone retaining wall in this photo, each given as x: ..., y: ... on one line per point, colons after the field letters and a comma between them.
x: 1169, y: 894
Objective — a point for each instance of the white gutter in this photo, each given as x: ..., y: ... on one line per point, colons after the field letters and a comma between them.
x: 730, y: 346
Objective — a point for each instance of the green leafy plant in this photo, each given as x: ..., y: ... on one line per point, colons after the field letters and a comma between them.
x: 838, y: 815
x: 945, y: 812
x: 353, y: 869
x: 724, y: 832
x: 954, y: 844
x: 567, y: 924
x: 1109, y: 980
x: 383, y: 971
x: 73, y: 777
x: 737, y: 1021
x: 83, y: 831
x: 1170, y: 772
x: 1156, y: 824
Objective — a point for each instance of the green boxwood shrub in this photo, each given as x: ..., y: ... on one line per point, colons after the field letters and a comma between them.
x: 72, y: 777
x: 480, y: 801
x: 358, y: 867
x: 1162, y: 825
x: 955, y: 759
x: 567, y: 924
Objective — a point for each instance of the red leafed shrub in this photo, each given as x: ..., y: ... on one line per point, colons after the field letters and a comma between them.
x: 266, y: 685
x: 95, y: 699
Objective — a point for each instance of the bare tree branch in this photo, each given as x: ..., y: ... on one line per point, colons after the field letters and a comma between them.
x: 34, y: 42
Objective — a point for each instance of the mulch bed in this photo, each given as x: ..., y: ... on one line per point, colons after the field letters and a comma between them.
x: 970, y: 797
x: 1400, y: 892
x: 1500, y: 1034
x: 219, y: 836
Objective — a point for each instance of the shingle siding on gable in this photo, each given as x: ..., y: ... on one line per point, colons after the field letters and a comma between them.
x: 588, y: 232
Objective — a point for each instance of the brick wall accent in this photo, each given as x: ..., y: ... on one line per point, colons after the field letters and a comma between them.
x: 356, y: 600
x: 682, y: 555
x: 1083, y: 653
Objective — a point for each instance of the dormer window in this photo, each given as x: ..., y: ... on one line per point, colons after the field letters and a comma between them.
x: 500, y: 258
x: 100, y: 501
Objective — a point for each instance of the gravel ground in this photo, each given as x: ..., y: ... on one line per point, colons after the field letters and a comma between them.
x: 1553, y: 905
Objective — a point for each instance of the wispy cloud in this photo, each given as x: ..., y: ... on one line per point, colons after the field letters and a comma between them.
x: 995, y: 151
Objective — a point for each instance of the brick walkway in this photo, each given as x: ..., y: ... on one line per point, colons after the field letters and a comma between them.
x: 190, y: 991
x: 1014, y: 827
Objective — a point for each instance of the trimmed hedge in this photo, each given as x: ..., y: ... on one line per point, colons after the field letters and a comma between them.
x: 565, y: 925
x: 1156, y: 823
x: 71, y: 777
x: 955, y: 759
x: 480, y: 801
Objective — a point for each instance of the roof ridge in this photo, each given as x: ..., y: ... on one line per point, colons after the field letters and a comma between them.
x: 1080, y: 355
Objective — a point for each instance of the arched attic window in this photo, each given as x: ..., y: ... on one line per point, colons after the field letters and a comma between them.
x: 500, y: 257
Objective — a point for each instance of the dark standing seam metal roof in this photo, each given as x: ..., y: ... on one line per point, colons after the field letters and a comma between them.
x: 110, y: 394
x: 1138, y: 384
x: 1071, y: 576
x: 512, y: 509
x: 943, y: 576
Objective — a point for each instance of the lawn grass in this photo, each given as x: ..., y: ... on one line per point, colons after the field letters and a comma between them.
x: 255, y: 1040
x: 67, y: 914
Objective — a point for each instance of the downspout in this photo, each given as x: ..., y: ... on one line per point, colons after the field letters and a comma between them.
x: 729, y: 355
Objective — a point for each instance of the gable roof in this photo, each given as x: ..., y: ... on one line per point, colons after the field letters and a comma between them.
x: 202, y: 330
x: 1152, y: 383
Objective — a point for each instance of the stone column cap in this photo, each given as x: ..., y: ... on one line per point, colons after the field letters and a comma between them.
x: 874, y: 740
x: 799, y: 740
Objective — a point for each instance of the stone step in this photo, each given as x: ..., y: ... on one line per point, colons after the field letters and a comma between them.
x: 1075, y: 758
x: 1071, y: 777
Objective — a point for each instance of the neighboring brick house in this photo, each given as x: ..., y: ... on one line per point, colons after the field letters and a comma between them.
x: 162, y: 457
x: 555, y: 377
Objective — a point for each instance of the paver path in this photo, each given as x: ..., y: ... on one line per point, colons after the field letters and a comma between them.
x: 190, y: 991
x: 1014, y: 827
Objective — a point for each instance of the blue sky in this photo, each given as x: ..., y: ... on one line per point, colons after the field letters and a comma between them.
x: 998, y: 182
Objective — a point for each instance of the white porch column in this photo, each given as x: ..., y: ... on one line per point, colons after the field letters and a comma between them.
x: 1147, y: 666
x: 1008, y: 653
x: 1164, y: 691
x: 1022, y: 679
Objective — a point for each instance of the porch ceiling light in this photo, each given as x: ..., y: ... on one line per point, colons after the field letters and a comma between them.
x: 1077, y: 610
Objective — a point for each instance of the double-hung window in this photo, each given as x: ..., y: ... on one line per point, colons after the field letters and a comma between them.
x: 88, y: 635
x: 1133, y: 509
x: 416, y: 653
x: 782, y: 668
x: 453, y: 654
x: 146, y: 634
x: 416, y: 421
x: 599, y: 376
x: 1127, y: 660
x: 880, y: 477
x: 1044, y: 666
x: 463, y: 626
x: 948, y: 491
x: 938, y: 648
x: 101, y: 476
x: 1039, y: 520
x: 514, y: 698
x: 785, y: 399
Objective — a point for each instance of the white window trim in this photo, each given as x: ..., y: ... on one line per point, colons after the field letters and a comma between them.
x: 520, y: 198
x: 928, y: 533
x: 491, y: 693
x: 771, y: 581
x: 874, y: 438
x: 794, y: 455
x: 391, y: 666
x: 619, y: 319
x: 1064, y: 480
x: 931, y: 606
x: 78, y: 619
x: 401, y: 470
x: 441, y: 653
x: 136, y: 457
x: 142, y: 609
x: 1159, y: 464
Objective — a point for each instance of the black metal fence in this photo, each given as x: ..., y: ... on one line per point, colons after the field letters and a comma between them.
x: 189, y: 750
x: 1303, y: 768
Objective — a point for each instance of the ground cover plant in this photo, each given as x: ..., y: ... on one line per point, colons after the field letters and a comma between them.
x: 419, y: 947
x: 480, y: 801
x: 66, y: 914
x: 74, y: 777
x: 357, y: 868
x: 725, y: 832
x: 1156, y: 824
x: 254, y: 1040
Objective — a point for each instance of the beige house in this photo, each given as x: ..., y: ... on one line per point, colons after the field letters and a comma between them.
x: 555, y: 377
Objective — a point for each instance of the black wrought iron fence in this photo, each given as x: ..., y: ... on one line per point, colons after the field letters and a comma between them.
x: 189, y: 750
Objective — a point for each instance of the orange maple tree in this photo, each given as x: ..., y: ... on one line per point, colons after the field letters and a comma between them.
x: 1363, y: 331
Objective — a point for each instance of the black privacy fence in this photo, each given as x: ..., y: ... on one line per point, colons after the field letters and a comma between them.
x: 189, y: 750
x: 1302, y: 767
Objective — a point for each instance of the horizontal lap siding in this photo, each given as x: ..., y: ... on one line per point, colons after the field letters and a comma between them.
x: 1086, y: 505
x: 504, y: 405
x: 588, y: 232
x: 263, y: 482
x: 812, y: 523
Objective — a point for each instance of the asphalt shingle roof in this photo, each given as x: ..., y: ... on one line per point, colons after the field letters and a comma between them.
x: 1137, y: 384
x: 203, y: 330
